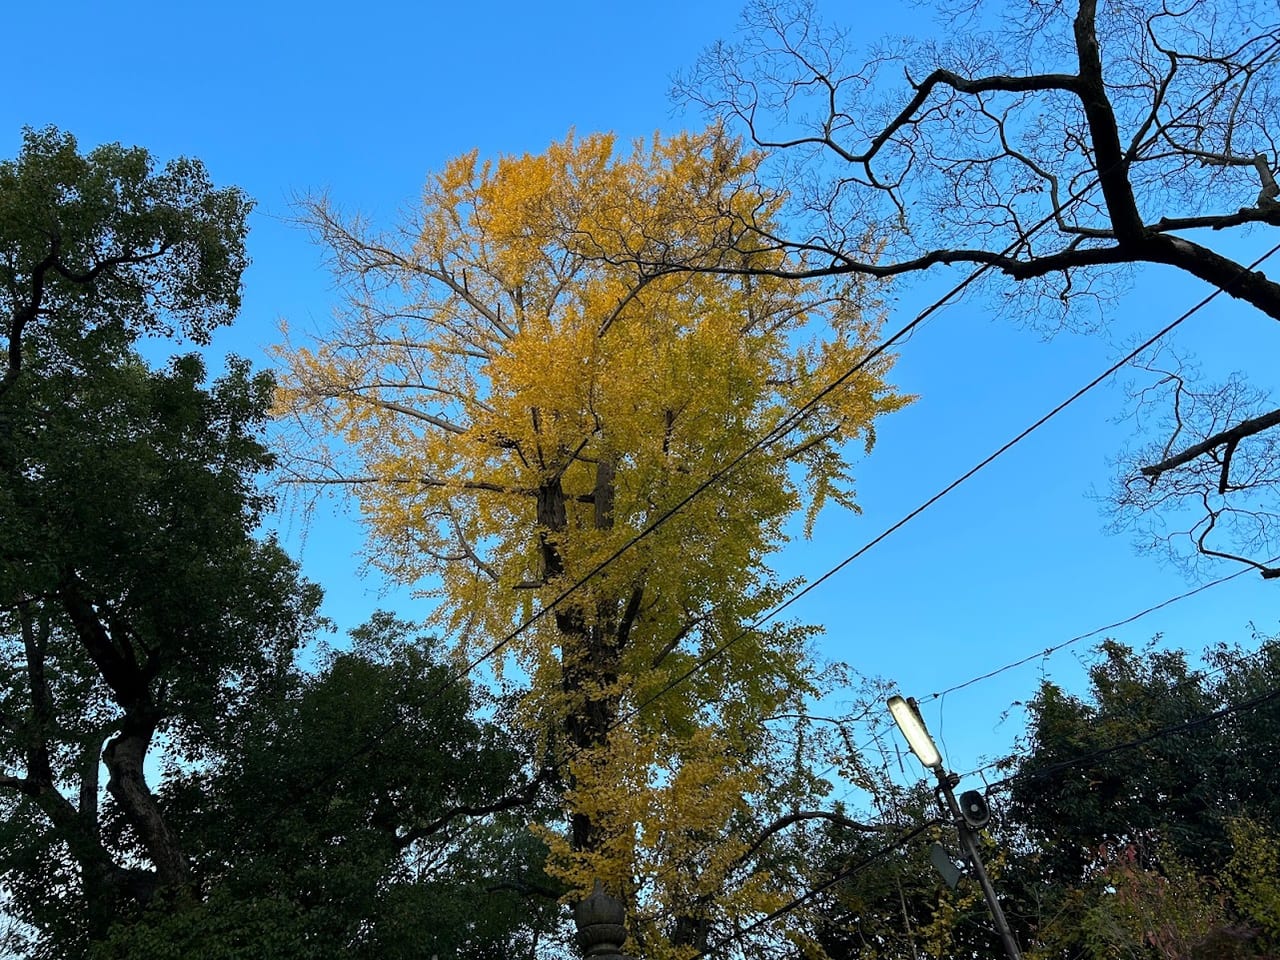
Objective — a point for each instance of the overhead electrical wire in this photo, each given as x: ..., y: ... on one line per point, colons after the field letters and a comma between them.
x: 772, y: 436
x: 1150, y: 695
x: 1173, y: 729
x: 785, y: 426
x: 718, y: 651
x: 797, y: 416
x: 703, y: 662
x: 1049, y: 651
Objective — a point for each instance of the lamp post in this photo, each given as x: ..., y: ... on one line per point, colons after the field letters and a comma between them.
x: 969, y: 813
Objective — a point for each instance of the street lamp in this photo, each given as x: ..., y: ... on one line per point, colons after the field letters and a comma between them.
x: 969, y: 813
x: 907, y: 716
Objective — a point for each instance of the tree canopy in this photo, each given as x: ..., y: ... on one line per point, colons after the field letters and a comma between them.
x: 515, y: 407
x: 1142, y: 810
x: 103, y: 242
x: 131, y: 590
x: 382, y: 855
x: 154, y: 726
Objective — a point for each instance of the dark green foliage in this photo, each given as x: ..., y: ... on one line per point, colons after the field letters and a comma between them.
x: 141, y: 608
x: 102, y: 240
x: 1107, y: 840
x: 1183, y: 786
x: 171, y: 783
x: 135, y: 601
x: 305, y: 830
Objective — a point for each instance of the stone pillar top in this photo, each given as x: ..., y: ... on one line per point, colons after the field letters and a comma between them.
x: 601, y: 922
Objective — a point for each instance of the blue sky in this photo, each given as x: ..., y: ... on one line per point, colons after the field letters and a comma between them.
x: 364, y: 100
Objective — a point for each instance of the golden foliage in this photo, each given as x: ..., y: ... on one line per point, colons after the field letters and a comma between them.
x: 516, y: 388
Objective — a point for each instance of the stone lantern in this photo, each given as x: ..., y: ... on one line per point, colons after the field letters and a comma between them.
x: 601, y: 922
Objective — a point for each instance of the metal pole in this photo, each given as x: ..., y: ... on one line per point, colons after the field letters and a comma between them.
x: 969, y: 840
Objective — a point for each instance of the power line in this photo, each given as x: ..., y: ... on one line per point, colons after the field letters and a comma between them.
x: 794, y: 419
x: 1074, y: 197
x: 797, y: 902
x: 1173, y: 729
x: 797, y: 416
x: 769, y: 615
x: 1150, y: 695
x: 1147, y: 697
x: 773, y: 612
x: 772, y: 436
x: 784, y: 427
x: 704, y: 661
x: 720, y: 650
x: 1049, y: 651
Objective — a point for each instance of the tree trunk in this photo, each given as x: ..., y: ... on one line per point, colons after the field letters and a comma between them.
x: 126, y: 753
x: 590, y: 654
x: 126, y: 782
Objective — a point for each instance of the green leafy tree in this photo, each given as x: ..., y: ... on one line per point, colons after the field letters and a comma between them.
x: 1076, y: 792
x: 154, y: 729
x: 416, y: 843
x: 137, y: 609
x: 1158, y: 845
x: 131, y: 589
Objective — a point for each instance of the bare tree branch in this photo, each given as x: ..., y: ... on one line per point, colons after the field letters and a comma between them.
x: 518, y: 798
x: 803, y: 816
x: 1229, y: 438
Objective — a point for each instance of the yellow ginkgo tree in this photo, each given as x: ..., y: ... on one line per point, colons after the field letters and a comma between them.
x: 512, y: 395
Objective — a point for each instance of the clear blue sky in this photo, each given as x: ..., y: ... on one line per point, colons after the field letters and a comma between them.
x: 363, y: 100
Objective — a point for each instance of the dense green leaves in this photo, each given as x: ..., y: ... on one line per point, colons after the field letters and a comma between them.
x: 1137, y: 808
x: 1185, y: 782
x: 332, y: 822
x: 172, y: 782
x: 136, y: 600
x: 103, y: 240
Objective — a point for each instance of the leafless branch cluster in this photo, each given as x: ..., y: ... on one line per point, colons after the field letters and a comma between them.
x: 965, y: 150
x: 1059, y: 145
x: 1207, y: 481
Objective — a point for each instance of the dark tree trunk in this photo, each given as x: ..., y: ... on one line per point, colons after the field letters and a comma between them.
x: 124, y: 757
x: 591, y: 652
